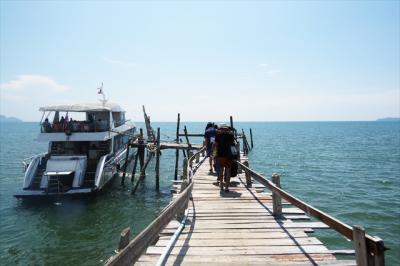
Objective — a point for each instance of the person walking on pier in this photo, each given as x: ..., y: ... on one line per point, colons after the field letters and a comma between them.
x: 209, y: 136
x: 224, y: 140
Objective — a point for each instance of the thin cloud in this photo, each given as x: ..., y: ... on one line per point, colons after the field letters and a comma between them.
x: 268, y: 69
x: 26, y: 82
x: 119, y: 62
x: 263, y: 65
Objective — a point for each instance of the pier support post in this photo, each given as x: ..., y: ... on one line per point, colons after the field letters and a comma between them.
x: 177, y: 151
x: 251, y: 138
x: 125, y: 165
x: 134, y: 166
x: 141, y: 152
x: 185, y: 173
x: 248, y: 176
x: 158, y: 160
x: 124, y: 239
x: 276, y: 199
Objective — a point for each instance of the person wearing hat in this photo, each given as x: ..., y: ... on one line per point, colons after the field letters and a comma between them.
x: 224, y: 140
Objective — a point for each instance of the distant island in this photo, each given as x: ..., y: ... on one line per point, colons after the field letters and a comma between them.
x: 5, y: 119
x: 390, y: 119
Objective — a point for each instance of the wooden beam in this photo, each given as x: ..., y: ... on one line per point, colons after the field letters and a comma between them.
x: 251, y: 138
x: 177, y: 151
x: 192, y: 135
x: 125, y: 165
x: 158, y: 161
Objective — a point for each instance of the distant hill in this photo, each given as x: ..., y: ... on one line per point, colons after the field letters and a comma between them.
x: 389, y: 119
x: 5, y: 119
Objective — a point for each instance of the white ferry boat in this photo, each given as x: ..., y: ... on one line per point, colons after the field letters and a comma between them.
x: 83, y: 155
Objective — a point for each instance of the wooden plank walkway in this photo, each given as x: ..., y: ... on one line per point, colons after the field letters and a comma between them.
x: 237, y: 228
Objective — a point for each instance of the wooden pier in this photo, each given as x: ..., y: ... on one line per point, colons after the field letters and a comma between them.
x: 255, y: 223
x: 245, y: 226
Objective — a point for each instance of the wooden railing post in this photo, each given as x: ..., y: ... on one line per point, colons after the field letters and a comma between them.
x: 181, y: 213
x: 124, y: 239
x: 360, y: 245
x: 197, y: 157
x: 276, y: 199
x: 379, y: 258
x: 203, y: 153
x: 248, y: 176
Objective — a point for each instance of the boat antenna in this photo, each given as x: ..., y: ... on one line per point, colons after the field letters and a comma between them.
x: 100, y: 90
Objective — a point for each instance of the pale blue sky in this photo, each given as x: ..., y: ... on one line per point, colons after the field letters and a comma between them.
x: 268, y: 61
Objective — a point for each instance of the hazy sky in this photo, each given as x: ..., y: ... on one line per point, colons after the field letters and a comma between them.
x: 268, y: 61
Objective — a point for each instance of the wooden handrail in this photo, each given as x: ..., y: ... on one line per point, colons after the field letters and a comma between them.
x: 374, y: 245
x: 130, y: 254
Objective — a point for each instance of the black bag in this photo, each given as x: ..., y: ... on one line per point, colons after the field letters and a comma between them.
x: 234, y: 169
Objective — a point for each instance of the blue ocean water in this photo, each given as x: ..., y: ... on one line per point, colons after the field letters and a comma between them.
x: 350, y: 170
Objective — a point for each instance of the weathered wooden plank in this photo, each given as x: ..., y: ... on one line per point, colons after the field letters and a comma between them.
x: 241, y: 235
x: 188, y: 242
x: 233, y: 250
x: 234, y: 226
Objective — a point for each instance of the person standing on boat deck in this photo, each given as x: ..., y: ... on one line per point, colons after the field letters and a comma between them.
x: 209, y: 136
x: 46, y: 125
x: 224, y: 140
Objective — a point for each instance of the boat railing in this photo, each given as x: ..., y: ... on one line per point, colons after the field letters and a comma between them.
x: 27, y: 161
x: 176, y: 208
x: 100, y: 170
x: 371, y: 248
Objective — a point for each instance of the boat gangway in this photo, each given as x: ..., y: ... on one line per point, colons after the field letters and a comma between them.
x: 255, y: 223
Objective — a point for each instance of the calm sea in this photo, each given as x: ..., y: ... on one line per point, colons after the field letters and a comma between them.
x: 350, y: 170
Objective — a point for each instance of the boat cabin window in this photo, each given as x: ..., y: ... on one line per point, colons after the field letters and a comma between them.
x: 76, y: 122
x: 92, y: 149
x: 120, y: 142
x: 118, y: 118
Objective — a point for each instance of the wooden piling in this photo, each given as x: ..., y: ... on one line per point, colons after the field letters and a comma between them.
x: 276, y: 199
x: 231, y: 124
x: 125, y: 165
x: 245, y: 144
x: 141, y: 151
x: 134, y: 166
x: 177, y: 151
x: 158, y: 161
x: 124, y: 239
x: 251, y: 138
x: 185, y: 173
x: 187, y: 137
